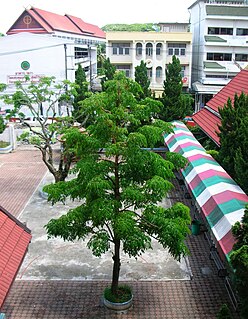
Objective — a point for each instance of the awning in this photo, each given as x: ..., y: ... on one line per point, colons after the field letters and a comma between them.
x: 220, y: 200
x: 206, y: 89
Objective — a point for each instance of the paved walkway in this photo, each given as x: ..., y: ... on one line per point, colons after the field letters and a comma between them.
x: 199, y: 298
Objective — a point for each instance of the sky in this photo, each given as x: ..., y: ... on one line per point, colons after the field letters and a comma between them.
x: 102, y: 12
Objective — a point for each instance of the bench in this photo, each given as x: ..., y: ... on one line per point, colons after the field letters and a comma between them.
x: 222, y: 272
x: 233, y: 297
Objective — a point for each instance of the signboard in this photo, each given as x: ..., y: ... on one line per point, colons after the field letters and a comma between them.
x: 21, y: 76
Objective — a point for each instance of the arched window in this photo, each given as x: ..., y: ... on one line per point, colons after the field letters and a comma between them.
x: 159, y: 49
x: 158, y: 72
x: 149, y: 49
x: 139, y: 49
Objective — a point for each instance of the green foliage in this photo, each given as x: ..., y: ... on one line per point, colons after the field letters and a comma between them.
x: 4, y: 144
x: 101, y: 53
x: 224, y: 312
x: 214, y: 154
x: 176, y: 105
x: 136, y: 27
x: 81, y: 92
x: 32, y: 96
x: 234, y: 139
x: 141, y: 77
x: 121, y: 188
x: 108, y: 70
x: 239, y: 260
x: 2, y: 124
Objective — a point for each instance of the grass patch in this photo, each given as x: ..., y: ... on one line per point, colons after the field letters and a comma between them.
x: 124, y: 293
x: 3, y: 144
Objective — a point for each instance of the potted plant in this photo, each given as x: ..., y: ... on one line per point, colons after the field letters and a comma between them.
x: 121, y: 300
x: 5, y: 147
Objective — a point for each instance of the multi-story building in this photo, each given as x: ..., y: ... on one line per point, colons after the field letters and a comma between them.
x: 127, y: 49
x: 42, y: 43
x: 220, y: 45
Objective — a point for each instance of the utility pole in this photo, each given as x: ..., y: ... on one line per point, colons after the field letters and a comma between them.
x: 66, y: 77
x: 89, y: 50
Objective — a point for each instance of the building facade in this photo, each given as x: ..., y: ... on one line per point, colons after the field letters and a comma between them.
x: 42, y: 43
x: 127, y: 49
x: 219, y: 45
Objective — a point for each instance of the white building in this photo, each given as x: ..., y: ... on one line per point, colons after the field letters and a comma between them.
x: 41, y: 43
x: 220, y: 45
x: 126, y: 50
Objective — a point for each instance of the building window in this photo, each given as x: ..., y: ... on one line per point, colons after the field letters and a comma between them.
x: 176, y: 48
x: 80, y: 53
x: 241, y: 57
x: 149, y: 49
x: 224, y: 31
x: 182, y: 71
x: 159, y: 72
x: 139, y: 49
x: 121, y: 48
x: 159, y: 49
x: 242, y: 31
x: 125, y: 69
x: 149, y: 73
x: 219, y: 56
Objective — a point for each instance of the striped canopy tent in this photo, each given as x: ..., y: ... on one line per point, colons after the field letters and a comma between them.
x: 220, y: 200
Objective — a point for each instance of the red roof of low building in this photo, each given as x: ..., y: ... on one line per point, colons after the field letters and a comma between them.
x: 237, y: 85
x: 14, y: 240
x: 208, y: 123
x: 42, y: 21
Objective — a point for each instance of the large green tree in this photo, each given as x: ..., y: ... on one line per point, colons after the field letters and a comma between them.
x: 120, y: 189
x: 41, y: 100
x: 141, y: 77
x: 239, y: 260
x: 234, y: 139
x: 176, y: 105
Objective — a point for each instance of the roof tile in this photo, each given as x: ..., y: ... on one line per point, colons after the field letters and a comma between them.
x: 14, y: 241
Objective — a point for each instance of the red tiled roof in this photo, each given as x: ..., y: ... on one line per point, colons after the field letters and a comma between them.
x: 51, y: 22
x: 56, y: 21
x: 208, y: 123
x: 14, y: 241
x: 92, y: 29
x: 238, y: 84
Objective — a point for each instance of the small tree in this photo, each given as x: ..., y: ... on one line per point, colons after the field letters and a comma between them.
x: 141, y: 77
x: 233, y: 138
x: 101, y: 52
x: 32, y: 97
x: 176, y: 105
x: 81, y: 92
x: 121, y: 188
x: 239, y: 260
x: 108, y: 70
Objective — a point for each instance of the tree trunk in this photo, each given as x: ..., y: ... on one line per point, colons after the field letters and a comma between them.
x: 116, y: 267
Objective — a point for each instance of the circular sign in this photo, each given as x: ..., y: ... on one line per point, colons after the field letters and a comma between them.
x: 25, y: 65
x: 185, y: 79
x: 27, y: 19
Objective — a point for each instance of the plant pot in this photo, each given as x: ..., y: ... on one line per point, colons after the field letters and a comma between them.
x: 118, y: 306
x: 5, y: 150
